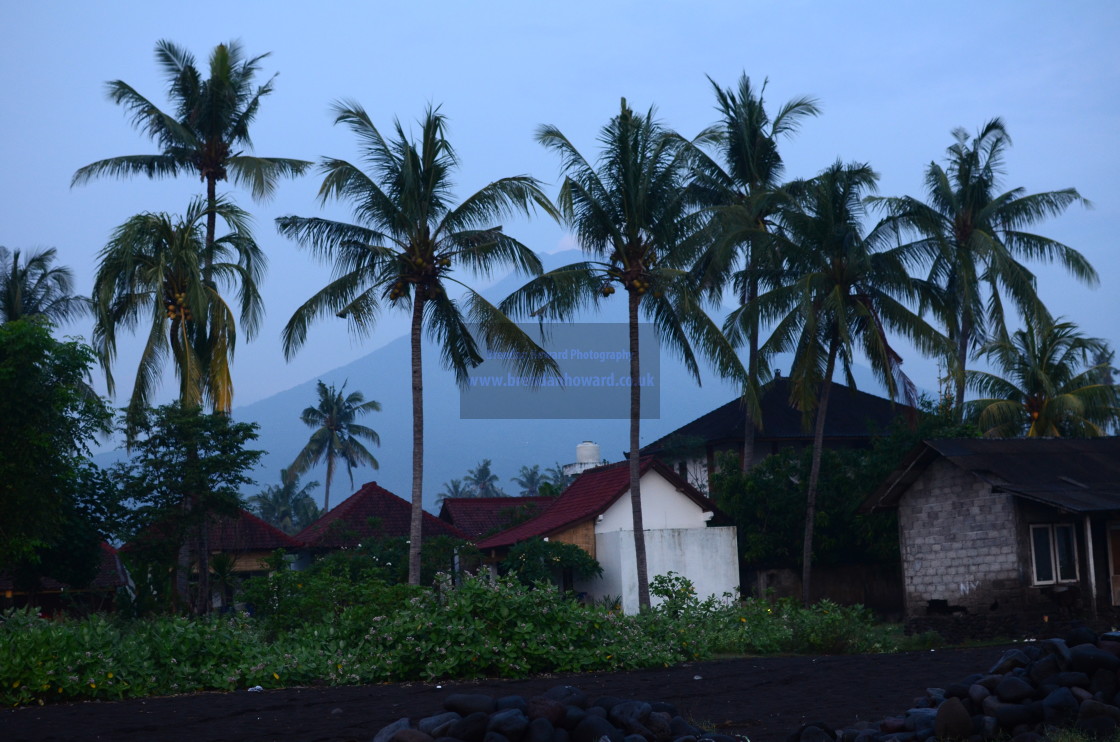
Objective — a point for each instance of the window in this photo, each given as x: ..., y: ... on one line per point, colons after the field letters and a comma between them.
x: 1054, y: 553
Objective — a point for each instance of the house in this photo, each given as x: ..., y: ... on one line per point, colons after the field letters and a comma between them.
x: 52, y: 596
x: 372, y: 512
x: 479, y: 517
x: 683, y: 531
x: 1026, y: 526
x: 250, y: 541
x: 853, y: 419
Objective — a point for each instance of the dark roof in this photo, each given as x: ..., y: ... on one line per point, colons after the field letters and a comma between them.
x: 590, y: 494
x: 111, y: 574
x: 851, y: 414
x: 247, y: 532
x: 480, y: 516
x: 371, y: 512
x: 1078, y: 475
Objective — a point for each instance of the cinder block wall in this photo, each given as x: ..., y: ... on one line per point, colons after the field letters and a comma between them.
x: 959, y: 543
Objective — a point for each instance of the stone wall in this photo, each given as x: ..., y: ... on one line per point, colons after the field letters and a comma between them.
x: 959, y: 544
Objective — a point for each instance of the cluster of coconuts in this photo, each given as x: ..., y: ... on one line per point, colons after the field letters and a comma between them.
x: 176, y: 306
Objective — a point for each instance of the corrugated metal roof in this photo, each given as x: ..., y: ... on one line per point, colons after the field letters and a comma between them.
x: 1078, y: 475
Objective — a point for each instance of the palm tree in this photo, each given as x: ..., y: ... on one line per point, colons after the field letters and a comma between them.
x: 336, y: 436
x: 631, y: 214
x: 483, y: 482
x: 287, y: 505
x: 403, y: 252
x: 837, y: 293
x: 208, y: 131
x: 150, y: 274
x: 454, y: 489
x: 974, y: 237
x: 37, y: 287
x: 743, y: 189
x: 1049, y: 383
x: 529, y: 479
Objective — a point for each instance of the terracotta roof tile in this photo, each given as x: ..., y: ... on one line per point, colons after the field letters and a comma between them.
x: 483, y: 516
x: 247, y: 532
x: 589, y: 495
x: 371, y: 512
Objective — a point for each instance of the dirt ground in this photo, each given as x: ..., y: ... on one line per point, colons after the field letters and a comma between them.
x: 764, y: 699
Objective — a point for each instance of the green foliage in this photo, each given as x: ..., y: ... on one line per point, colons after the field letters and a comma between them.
x: 768, y: 502
x: 537, y: 560
x: 50, y: 417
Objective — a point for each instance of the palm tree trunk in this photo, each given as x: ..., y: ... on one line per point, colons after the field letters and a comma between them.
x: 635, y: 456
x: 330, y: 476
x: 963, y: 339
x: 814, y: 475
x: 415, y: 530
x: 749, y: 428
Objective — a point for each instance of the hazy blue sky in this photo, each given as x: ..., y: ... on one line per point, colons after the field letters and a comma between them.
x: 893, y: 79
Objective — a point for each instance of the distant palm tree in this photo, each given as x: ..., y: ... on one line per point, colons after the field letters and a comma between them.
x: 151, y: 274
x: 837, y: 293
x: 454, y: 489
x: 207, y: 133
x: 742, y: 190
x: 1048, y: 383
x: 403, y: 251
x: 483, y: 482
x: 630, y: 213
x: 336, y: 435
x: 974, y: 237
x: 555, y: 481
x: 37, y: 287
x: 529, y: 479
x: 287, y: 506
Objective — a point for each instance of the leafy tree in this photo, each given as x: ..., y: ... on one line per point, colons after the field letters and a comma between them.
x: 741, y: 186
x: 187, y: 468
x: 287, y: 506
x: 1046, y: 384
x: 206, y: 133
x: 837, y: 292
x: 529, y: 479
x: 482, y: 482
x: 536, y: 561
x: 47, y: 488
x: 402, y: 251
x: 555, y: 481
x: 151, y: 275
x: 630, y: 213
x: 37, y: 287
x: 336, y: 436
x: 975, y: 239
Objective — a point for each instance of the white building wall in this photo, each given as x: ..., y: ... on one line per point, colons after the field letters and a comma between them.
x: 706, y: 556
x: 663, y: 506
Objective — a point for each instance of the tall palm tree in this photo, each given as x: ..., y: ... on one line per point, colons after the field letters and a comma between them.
x: 402, y: 252
x: 837, y: 293
x: 287, y: 505
x: 150, y: 274
x: 207, y: 133
x: 529, y: 479
x: 37, y: 287
x: 741, y: 186
x: 1048, y: 383
x: 975, y: 239
x: 630, y: 213
x: 454, y: 489
x: 336, y: 436
x: 483, y: 482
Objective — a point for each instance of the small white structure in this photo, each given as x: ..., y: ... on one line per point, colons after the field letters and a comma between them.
x: 681, y: 526
x: 588, y: 456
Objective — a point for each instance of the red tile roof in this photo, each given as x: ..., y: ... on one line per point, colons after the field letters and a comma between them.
x: 371, y: 512
x: 111, y: 574
x: 247, y: 532
x: 591, y: 494
x: 482, y: 516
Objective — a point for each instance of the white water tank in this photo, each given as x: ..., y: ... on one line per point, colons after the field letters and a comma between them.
x: 588, y: 453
